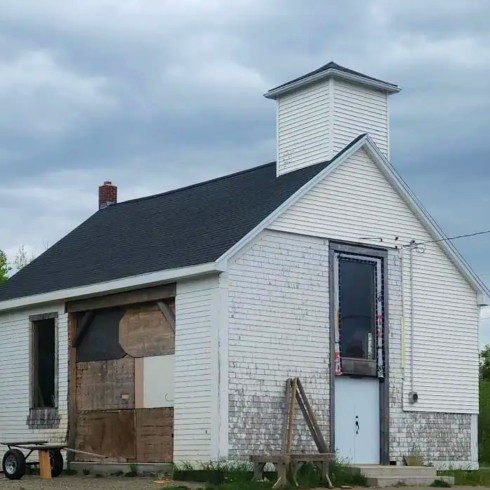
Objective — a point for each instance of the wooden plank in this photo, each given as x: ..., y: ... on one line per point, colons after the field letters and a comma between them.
x: 322, y: 448
x: 139, y: 382
x: 292, y: 406
x: 106, y: 385
x: 72, y: 382
x: 127, y: 298
x: 82, y: 330
x: 108, y: 432
x: 144, y: 332
x: 309, y: 422
x: 154, y: 435
x: 168, y: 313
x: 286, y: 418
x: 44, y: 464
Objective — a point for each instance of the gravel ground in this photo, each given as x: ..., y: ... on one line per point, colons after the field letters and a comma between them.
x: 86, y: 483
x: 116, y: 483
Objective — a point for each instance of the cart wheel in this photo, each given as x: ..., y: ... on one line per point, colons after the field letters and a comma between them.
x: 56, y: 462
x: 14, y: 464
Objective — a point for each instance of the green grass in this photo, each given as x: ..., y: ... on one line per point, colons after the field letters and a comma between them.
x: 237, y: 476
x: 440, y: 484
x: 479, y: 477
x: 484, y: 421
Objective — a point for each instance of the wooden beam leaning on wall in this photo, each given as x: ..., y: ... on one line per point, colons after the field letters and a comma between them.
x: 84, y: 324
x: 119, y: 299
x: 167, y: 313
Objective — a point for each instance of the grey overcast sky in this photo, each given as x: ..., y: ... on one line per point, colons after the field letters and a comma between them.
x: 156, y: 94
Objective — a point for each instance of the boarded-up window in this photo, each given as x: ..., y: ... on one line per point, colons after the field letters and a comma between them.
x: 100, y: 337
x: 44, y: 363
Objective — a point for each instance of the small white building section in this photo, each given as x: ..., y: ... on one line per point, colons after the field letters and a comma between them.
x: 321, y: 113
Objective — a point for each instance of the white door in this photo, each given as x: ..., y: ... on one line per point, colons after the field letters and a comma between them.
x: 357, y: 419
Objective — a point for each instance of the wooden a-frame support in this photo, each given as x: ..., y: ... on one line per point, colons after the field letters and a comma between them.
x: 295, y: 394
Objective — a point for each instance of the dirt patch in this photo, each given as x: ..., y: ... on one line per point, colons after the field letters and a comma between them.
x: 89, y: 483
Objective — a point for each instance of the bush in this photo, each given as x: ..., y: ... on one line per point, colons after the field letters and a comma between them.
x: 484, y: 422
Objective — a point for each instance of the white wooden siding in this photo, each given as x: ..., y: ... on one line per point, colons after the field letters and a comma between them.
x: 355, y: 202
x: 278, y: 328
x: 194, y: 391
x: 303, y: 128
x: 356, y: 110
x: 314, y: 123
x: 15, y: 368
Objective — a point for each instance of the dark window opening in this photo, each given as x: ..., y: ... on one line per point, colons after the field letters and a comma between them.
x: 357, y: 309
x: 44, y: 363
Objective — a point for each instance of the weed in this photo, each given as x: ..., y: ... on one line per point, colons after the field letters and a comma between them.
x: 479, y: 477
x: 99, y: 475
x: 70, y: 472
x: 131, y: 474
x: 86, y: 472
x: 440, y: 484
x: 238, y: 476
x: 117, y: 473
x: 341, y: 474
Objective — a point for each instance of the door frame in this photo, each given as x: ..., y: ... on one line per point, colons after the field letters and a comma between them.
x: 384, y: 395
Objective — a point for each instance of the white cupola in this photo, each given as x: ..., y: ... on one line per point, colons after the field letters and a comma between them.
x: 321, y: 112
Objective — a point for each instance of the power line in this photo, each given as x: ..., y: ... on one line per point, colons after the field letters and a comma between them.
x: 485, y: 232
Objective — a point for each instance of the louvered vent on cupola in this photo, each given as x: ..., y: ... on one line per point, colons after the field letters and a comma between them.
x: 321, y: 112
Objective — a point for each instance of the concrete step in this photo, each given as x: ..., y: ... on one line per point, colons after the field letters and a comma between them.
x: 373, y: 471
x: 393, y: 481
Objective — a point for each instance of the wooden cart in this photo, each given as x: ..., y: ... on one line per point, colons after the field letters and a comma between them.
x: 15, y: 462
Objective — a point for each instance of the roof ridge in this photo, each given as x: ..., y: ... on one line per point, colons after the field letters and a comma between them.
x: 191, y: 186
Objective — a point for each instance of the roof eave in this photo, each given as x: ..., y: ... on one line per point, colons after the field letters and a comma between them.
x: 483, y: 295
x: 111, y: 287
x: 376, y: 84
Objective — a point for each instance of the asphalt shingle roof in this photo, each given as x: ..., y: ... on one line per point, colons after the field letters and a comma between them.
x: 184, y: 227
x: 329, y: 66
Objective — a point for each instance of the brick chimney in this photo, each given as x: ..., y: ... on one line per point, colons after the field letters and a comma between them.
x: 107, y: 194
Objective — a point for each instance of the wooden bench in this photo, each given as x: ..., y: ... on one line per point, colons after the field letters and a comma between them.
x: 322, y: 460
x: 280, y: 461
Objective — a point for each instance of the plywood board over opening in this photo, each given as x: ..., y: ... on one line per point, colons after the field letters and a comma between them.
x: 154, y: 435
x: 144, y: 331
x: 110, y: 433
x: 154, y: 381
x: 105, y: 385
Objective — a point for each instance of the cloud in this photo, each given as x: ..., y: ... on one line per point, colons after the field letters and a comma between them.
x: 40, y: 96
x: 157, y: 94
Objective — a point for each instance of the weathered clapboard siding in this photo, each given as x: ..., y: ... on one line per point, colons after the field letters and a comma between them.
x: 356, y: 202
x: 15, y: 375
x: 303, y: 128
x: 194, y: 378
x: 358, y: 110
x: 278, y: 328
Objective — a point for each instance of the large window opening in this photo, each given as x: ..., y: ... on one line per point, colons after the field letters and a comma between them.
x: 44, y: 363
x: 357, y: 308
x: 358, y: 317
